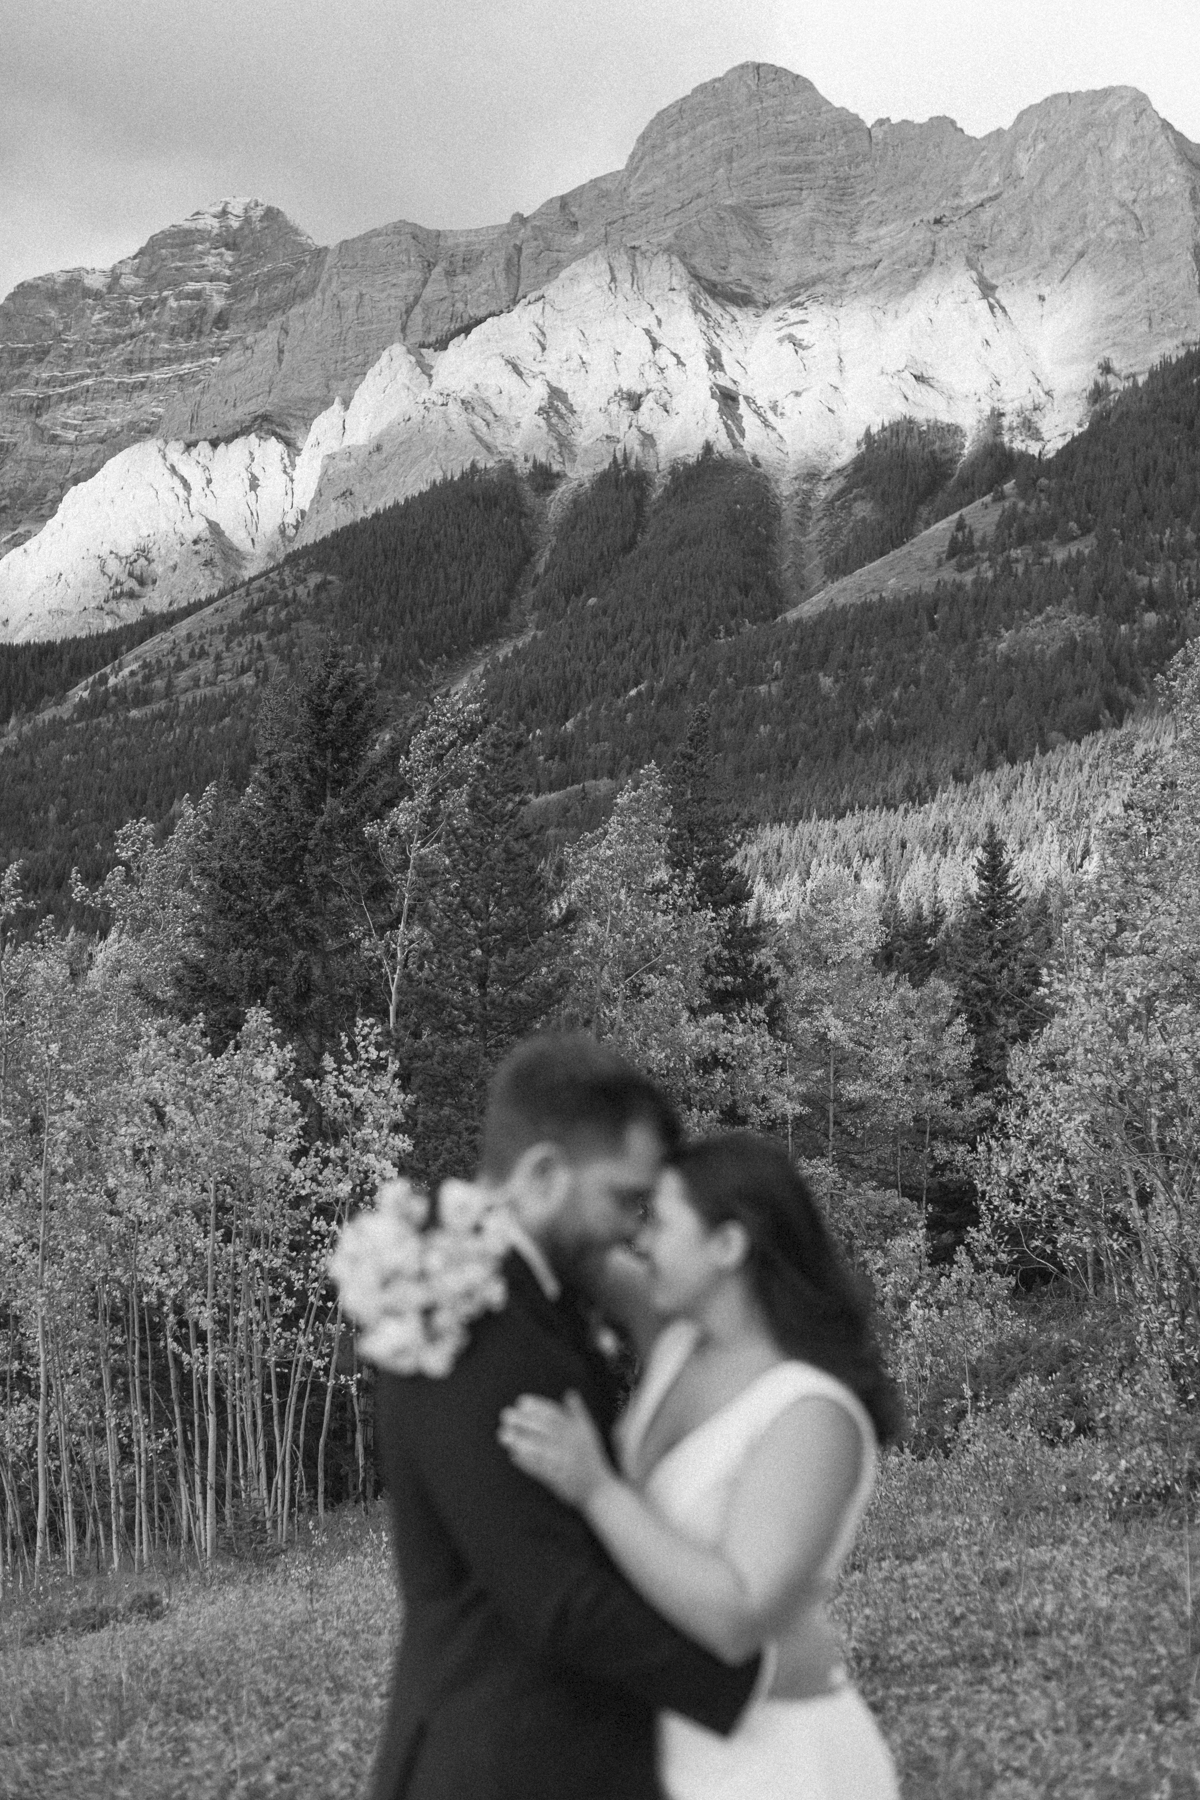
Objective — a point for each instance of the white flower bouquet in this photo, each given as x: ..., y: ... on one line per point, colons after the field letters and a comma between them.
x: 413, y: 1276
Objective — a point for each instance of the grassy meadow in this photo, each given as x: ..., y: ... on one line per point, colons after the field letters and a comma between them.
x: 261, y: 1680
x: 1013, y: 1639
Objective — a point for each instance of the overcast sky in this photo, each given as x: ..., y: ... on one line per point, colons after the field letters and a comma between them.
x: 118, y: 117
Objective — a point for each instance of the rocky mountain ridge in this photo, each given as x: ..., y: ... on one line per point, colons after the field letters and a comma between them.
x: 92, y: 360
x: 766, y: 272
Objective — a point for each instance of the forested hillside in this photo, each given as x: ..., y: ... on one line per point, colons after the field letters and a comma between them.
x: 1135, y: 471
x: 887, y: 702
x: 1025, y: 644
x: 597, y: 529
x: 69, y: 786
x: 704, y: 568
x: 905, y: 477
x: 429, y: 578
x: 1050, y: 812
x: 34, y: 674
x: 649, y: 603
x: 171, y: 706
x: 878, y: 704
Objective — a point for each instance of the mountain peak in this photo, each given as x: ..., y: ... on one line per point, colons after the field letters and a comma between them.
x: 761, y: 76
x: 232, y: 221
x: 233, y: 209
x: 1087, y: 104
x: 748, y: 88
x: 752, y: 137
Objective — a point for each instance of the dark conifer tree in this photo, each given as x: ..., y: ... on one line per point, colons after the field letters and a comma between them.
x: 285, y: 869
x: 997, y: 964
x: 700, y: 844
x: 485, y: 973
x: 910, y: 944
x: 962, y: 540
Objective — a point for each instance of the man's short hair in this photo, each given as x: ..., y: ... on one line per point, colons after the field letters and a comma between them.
x: 567, y: 1089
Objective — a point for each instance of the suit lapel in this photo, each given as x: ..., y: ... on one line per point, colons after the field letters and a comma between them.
x: 567, y: 1319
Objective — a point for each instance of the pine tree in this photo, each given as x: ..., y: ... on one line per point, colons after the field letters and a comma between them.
x: 637, y: 962
x: 282, y: 874
x: 909, y: 942
x: 700, y: 847
x: 998, y: 968
x: 962, y: 540
x: 483, y: 969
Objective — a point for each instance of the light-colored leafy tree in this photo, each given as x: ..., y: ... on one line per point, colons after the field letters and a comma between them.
x: 435, y: 774
x: 636, y: 968
x: 878, y: 1071
x: 164, y: 1227
x: 359, y: 1144
x: 1095, y: 1164
x: 67, y: 1029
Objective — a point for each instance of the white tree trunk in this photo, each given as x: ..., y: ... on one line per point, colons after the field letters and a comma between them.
x: 210, y: 1509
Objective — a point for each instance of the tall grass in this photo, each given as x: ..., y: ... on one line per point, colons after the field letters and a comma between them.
x: 1014, y: 1640
x: 260, y: 1681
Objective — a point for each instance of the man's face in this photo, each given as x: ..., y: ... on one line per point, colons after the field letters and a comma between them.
x: 606, y: 1199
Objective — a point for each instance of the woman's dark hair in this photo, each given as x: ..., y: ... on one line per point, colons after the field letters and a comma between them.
x: 816, y: 1308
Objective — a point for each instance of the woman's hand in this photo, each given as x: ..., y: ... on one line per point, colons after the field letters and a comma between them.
x: 558, y: 1445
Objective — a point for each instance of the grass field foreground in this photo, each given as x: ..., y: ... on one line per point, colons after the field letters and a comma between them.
x: 1014, y: 1641
x: 259, y: 1681
x: 1017, y: 1643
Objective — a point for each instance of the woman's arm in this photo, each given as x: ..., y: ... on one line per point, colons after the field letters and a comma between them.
x: 785, y: 1513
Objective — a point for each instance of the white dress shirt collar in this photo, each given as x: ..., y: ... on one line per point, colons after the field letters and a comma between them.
x: 534, y: 1256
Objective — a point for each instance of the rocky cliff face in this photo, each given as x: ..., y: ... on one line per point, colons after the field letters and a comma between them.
x: 159, y: 525
x: 768, y: 193
x: 629, y: 351
x: 766, y: 271
x: 92, y: 360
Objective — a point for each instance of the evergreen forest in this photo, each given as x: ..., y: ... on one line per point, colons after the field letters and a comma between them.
x: 906, y: 476
x: 170, y: 708
x: 427, y: 578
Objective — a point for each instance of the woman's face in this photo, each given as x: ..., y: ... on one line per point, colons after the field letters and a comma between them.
x: 686, y: 1258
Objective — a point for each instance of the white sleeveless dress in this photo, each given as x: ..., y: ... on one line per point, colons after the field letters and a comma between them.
x: 827, y: 1748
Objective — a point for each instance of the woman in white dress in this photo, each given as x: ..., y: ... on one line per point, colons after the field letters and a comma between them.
x: 747, y: 1459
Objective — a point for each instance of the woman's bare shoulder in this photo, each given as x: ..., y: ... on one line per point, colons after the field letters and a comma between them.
x: 814, y: 1435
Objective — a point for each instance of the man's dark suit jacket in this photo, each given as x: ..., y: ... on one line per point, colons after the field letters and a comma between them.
x: 528, y: 1667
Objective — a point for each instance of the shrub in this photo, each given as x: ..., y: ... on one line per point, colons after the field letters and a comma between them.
x: 1153, y: 1440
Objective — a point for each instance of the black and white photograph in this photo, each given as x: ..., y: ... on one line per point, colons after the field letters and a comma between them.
x: 599, y: 900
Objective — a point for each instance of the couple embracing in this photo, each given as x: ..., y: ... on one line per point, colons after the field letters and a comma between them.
x: 614, y: 1597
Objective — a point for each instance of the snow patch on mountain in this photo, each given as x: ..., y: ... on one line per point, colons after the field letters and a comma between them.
x: 159, y: 525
